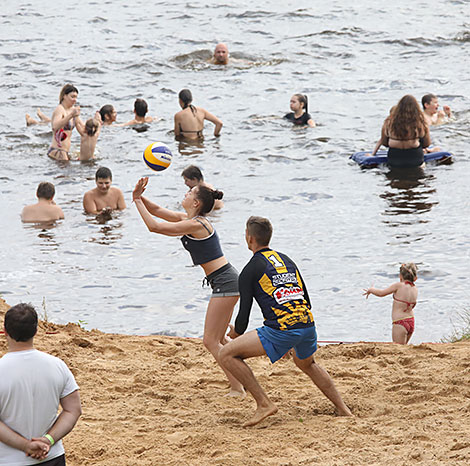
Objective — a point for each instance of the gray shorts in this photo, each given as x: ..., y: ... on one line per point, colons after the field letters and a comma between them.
x: 224, y: 281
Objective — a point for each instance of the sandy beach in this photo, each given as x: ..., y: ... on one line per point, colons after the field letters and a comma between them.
x: 157, y: 400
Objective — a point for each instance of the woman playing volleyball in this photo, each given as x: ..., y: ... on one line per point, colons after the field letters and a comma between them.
x: 200, y: 239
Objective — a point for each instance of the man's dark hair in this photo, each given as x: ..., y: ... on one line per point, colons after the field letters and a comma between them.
x: 193, y: 173
x: 140, y: 107
x: 21, y: 322
x: 45, y: 190
x: 426, y: 99
x: 103, y: 173
x: 261, y: 229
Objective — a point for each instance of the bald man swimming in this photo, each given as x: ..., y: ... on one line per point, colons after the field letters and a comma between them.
x: 220, y: 55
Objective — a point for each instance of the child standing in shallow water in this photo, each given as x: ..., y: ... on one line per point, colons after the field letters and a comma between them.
x: 405, y: 296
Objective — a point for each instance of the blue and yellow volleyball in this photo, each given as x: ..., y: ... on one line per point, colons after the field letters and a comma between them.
x: 158, y: 156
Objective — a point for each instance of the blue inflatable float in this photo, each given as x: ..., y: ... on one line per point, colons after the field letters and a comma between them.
x: 365, y: 160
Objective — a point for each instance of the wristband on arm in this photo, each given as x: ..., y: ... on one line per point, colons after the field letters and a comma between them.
x: 49, y: 437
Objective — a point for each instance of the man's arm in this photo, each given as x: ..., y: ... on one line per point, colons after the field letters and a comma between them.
x: 35, y: 448
x: 121, y: 203
x: 71, y: 411
x: 89, y: 203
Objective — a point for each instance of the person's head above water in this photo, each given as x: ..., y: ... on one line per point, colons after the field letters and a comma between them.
x: 91, y: 126
x: 192, y: 176
x: 429, y: 102
x: 66, y: 90
x: 45, y: 190
x: 140, y: 107
x: 108, y: 114
x: 299, y: 102
x: 221, y: 54
x: 409, y: 272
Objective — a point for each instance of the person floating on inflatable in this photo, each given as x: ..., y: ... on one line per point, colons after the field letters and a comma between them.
x: 405, y: 297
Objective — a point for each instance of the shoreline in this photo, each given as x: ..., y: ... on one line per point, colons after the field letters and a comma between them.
x: 156, y: 399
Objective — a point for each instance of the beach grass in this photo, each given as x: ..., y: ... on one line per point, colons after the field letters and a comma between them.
x: 462, y: 330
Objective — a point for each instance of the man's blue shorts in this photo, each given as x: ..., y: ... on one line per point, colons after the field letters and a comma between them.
x: 277, y: 343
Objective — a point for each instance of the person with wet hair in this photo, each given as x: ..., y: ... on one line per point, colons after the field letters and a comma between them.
x: 200, y: 239
x: 192, y: 118
x: 405, y: 133
x: 221, y: 55
x: 299, y: 115
x: 192, y: 176
x: 45, y: 210
x: 104, y: 198
x: 432, y: 114
x: 89, y: 133
x: 63, y: 122
x: 33, y: 385
x: 140, y: 112
x: 405, y: 297
x: 108, y: 115
x: 274, y: 281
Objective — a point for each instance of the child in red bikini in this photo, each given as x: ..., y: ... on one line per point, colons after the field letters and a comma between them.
x: 405, y: 296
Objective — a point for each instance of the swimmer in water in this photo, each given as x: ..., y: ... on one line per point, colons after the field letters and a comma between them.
x: 405, y: 296
x: 104, y: 198
x: 43, y: 119
x: 432, y: 114
x: 140, y: 110
x: 192, y: 118
x: 299, y: 114
x: 221, y: 55
x: 63, y: 122
x: 108, y: 115
x: 89, y: 133
x: 45, y: 210
x: 192, y: 176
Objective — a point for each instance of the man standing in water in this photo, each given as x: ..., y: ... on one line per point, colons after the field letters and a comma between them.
x: 275, y: 282
x: 432, y: 114
x: 221, y: 55
x: 45, y: 210
x: 104, y: 198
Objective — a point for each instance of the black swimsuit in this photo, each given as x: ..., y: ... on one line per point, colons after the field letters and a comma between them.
x: 302, y: 120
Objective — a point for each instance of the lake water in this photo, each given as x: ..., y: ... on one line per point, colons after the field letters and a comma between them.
x: 345, y: 227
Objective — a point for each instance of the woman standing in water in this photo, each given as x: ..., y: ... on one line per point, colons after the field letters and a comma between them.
x: 405, y: 133
x: 202, y: 242
x: 189, y: 122
x: 63, y: 122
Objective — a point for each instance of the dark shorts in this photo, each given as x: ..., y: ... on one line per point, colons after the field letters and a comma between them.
x: 224, y: 281
x: 277, y: 343
x: 405, y: 158
x: 59, y: 461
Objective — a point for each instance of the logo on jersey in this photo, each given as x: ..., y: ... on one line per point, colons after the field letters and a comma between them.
x: 283, y: 278
x: 284, y: 294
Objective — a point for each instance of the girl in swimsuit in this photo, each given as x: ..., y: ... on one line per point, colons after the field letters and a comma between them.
x: 405, y: 296
x: 189, y: 122
x: 299, y: 107
x: 63, y: 122
x: 202, y: 242
x: 406, y: 133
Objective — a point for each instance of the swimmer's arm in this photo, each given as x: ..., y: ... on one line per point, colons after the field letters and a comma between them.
x: 121, y: 203
x: 381, y: 293
x: 426, y: 139
x: 59, y: 121
x: 61, y: 213
x: 382, y: 141
x: 213, y: 119
x: 34, y: 448
x: 447, y: 111
x: 177, y: 126
x: 311, y: 123
x: 89, y: 203
x: 80, y: 126
x: 184, y: 227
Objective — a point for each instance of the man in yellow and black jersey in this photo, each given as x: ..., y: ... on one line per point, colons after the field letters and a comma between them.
x: 274, y: 281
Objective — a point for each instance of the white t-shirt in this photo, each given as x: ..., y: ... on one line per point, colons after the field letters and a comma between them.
x: 31, y: 386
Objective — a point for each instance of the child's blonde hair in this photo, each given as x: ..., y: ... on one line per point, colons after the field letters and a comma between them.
x: 409, y: 271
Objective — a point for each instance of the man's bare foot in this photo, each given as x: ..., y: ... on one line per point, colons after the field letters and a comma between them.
x: 260, y: 414
x: 345, y: 411
x: 30, y: 120
x: 44, y: 118
x: 236, y: 393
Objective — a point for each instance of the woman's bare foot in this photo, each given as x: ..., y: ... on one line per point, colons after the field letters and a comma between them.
x: 30, y: 120
x: 260, y: 414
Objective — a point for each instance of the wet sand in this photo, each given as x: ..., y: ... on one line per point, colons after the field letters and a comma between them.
x: 158, y: 400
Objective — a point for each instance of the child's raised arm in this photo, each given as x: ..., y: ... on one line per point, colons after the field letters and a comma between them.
x: 381, y: 293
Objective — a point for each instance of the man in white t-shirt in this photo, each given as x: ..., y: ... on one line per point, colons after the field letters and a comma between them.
x: 32, y: 385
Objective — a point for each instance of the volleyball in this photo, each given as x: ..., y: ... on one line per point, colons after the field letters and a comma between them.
x: 157, y: 156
